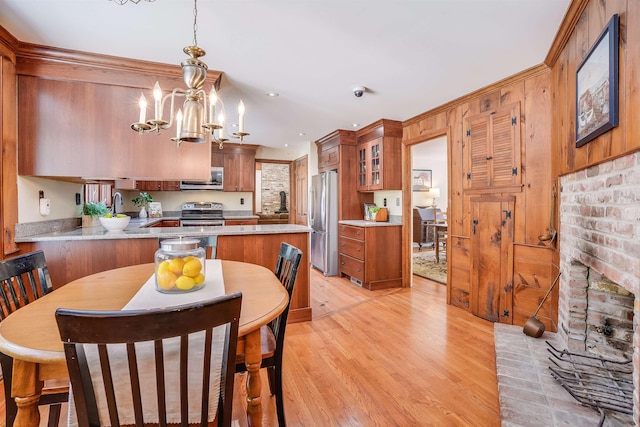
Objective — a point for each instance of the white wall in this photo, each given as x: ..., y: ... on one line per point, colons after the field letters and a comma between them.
x: 432, y: 155
x: 394, y: 201
x: 62, y: 196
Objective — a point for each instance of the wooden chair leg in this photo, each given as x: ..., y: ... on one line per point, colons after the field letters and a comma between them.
x: 54, y: 415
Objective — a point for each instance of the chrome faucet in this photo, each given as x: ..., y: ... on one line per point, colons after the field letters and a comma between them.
x: 113, y: 202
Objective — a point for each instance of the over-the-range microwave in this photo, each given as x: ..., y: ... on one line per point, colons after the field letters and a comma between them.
x: 214, y: 182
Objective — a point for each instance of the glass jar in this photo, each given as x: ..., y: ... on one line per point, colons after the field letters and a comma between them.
x: 180, y: 266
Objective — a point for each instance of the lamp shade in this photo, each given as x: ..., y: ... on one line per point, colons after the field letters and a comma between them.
x: 434, y: 192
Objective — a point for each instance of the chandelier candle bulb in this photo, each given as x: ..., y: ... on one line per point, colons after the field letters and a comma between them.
x: 157, y: 96
x: 143, y: 108
x: 178, y: 123
x: 241, y: 118
x: 221, y: 123
x: 213, y: 98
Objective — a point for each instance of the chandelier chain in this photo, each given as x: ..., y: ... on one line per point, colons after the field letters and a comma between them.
x: 195, y: 22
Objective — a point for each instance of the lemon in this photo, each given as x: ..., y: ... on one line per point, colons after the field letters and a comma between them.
x: 164, y: 267
x: 121, y: 216
x: 199, y: 279
x: 184, y: 283
x: 108, y: 215
x: 166, y: 280
x: 192, y: 267
x: 176, y: 265
x: 188, y: 258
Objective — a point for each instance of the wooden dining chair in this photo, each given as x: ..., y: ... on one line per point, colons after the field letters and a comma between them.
x: 23, y: 279
x: 152, y: 366
x: 272, y: 335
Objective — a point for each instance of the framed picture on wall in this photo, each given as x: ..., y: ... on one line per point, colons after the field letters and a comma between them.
x: 422, y: 179
x: 597, y: 87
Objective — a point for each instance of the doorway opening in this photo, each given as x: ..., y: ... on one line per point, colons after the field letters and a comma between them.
x: 429, y: 205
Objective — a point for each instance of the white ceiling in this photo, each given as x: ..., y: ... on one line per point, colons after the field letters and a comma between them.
x: 412, y: 55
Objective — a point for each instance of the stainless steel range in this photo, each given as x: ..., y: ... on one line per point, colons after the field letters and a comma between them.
x: 201, y: 214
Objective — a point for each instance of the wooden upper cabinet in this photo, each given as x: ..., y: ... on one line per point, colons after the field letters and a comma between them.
x: 378, y: 155
x: 337, y: 151
x: 74, y: 119
x: 493, y: 149
x: 239, y: 167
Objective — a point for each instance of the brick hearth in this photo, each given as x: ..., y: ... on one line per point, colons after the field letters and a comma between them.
x: 529, y: 395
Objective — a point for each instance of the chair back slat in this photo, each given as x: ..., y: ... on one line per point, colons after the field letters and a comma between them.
x: 188, y: 327
x: 160, y: 382
x: 109, y: 388
x: 23, y: 279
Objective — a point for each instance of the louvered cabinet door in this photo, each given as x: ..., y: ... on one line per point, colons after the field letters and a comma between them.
x: 505, y: 147
x: 493, y: 144
x: 478, y: 143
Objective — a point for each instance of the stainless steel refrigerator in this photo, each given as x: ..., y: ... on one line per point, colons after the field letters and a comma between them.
x: 324, y: 222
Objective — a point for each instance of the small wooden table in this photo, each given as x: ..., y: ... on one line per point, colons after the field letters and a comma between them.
x: 30, y: 334
x: 437, y: 228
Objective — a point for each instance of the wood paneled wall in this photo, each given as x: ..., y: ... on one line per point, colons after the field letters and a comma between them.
x: 8, y: 137
x: 532, y: 89
x: 592, y: 18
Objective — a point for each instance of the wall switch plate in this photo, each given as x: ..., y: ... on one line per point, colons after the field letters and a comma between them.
x: 397, y: 201
x: 77, y: 199
x: 384, y: 202
x: 242, y: 200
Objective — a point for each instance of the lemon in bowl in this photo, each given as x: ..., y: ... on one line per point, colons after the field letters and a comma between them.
x: 115, y: 223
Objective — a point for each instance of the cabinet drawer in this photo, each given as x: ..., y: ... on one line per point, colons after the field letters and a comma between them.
x: 352, y: 267
x: 352, y: 247
x: 351, y: 232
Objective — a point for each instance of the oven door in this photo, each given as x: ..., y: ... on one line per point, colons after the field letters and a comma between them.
x: 201, y: 223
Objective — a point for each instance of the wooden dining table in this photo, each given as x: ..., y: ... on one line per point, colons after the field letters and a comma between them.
x: 30, y: 334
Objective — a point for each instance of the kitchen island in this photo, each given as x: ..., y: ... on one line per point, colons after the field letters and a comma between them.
x: 78, y: 252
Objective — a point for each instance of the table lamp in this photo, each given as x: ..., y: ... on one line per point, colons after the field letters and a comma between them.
x: 434, y: 193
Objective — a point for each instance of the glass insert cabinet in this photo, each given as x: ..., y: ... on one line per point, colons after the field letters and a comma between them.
x: 370, y: 165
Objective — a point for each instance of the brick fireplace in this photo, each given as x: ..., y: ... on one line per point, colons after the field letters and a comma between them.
x: 599, y: 301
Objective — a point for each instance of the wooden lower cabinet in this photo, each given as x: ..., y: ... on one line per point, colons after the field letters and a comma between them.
x: 166, y: 223
x: 248, y: 221
x: 262, y: 249
x: 372, y: 255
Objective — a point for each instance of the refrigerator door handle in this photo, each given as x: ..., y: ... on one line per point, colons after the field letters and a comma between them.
x: 311, y: 217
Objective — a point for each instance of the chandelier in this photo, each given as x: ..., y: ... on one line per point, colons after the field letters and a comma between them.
x: 196, y: 121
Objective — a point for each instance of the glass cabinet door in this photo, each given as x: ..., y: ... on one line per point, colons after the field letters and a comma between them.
x: 375, y: 164
x: 362, y: 168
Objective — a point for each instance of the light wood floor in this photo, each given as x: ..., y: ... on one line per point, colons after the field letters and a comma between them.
x: 400, y: 357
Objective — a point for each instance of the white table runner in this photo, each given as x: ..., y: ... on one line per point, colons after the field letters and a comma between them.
x: 149, y: 298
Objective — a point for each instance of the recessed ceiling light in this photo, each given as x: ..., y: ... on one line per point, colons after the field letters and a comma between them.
x: 273, y: 94
x: 355, y: 125
x: 301, y: 134
x: 286, y: 145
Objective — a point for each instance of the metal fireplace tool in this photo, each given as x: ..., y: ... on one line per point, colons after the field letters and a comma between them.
x: 594, y: 381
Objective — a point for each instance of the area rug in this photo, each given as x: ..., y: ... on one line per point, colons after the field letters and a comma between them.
x: 425, y: 265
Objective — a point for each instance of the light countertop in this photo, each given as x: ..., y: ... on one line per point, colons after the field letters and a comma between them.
x: 137, y: 230
x: 362, y: 223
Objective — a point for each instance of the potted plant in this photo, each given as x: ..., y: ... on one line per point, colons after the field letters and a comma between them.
x: 142, y: 201
x: 91, y: 212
